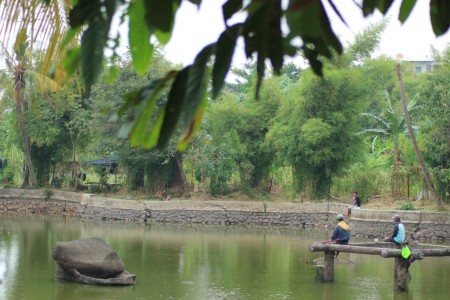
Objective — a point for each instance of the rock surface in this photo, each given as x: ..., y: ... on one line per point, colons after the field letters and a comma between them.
x: 90, y: 261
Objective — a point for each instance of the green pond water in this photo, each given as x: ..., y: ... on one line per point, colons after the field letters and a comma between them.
x: 203, y: 262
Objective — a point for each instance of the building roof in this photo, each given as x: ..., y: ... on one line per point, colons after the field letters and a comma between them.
x: 105, y: 161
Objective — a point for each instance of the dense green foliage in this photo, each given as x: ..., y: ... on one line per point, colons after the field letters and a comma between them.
x: 264, y: 37
x: 314, y: 137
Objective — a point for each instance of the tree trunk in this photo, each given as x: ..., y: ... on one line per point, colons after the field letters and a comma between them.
x: 395, y: 172
x: 430, y: 185
x: 29, y: 178
x: 181, y: 174
x: 74, y: 165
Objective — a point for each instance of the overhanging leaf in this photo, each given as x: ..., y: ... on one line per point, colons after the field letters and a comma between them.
x: 94, y: 40
x: 310, y: 22
x: 139, y: 38
x: 405, y: 9
x: 194, y: 126
x: 230, y: 8
x: 224, y: 55
x: 160, y: 14
x: 196, y: 85
x: 92, y: 44
x: 369, y: 6
x: 177, y: 96
x: 138, y: 108
x: 163, y: 37
x: 72, y: 60
x: 83, y: 11
x: 384, y: 5
x: 439, y: 12
x: 153, y: 137
x: 144, y: 113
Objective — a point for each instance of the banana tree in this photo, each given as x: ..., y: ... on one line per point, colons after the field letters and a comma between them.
x: 391, y: 126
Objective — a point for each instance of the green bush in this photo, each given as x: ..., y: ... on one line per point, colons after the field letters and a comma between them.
x: 367, y: 181
x: 407, y: 206
x: 48, y: 193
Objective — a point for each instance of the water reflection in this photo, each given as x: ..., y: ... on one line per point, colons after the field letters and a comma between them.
x: 202, y: 262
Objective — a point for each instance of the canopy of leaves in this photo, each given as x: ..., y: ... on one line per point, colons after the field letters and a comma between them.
x: 263, y: 35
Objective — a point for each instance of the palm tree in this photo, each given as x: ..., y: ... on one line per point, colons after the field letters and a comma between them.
x: 31, y: 24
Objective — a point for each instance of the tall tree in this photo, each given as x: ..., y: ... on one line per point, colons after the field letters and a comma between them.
x: 27, y: 23
x: 430, y: 184
x: 315, y: 129
x: 435, y: 122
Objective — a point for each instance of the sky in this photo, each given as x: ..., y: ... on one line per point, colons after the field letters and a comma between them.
x: 195, y: 28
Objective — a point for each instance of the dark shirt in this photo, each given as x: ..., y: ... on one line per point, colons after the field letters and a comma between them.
x: 357, y: 201
x: 340, y: 234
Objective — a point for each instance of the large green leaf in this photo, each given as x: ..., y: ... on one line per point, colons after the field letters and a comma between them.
x: 139, y: 38
x: 231, y: 7
x: 196, y: 85
x: 384, y: 5
x: 173, y: 110
x: 405, y: 9
x: 153, y: 138
x: 439, y: 13
x: 187, y: 96
x: 92, y: 44
x: 94, y: 37
x: 83, y: 12
x: 163, y: 37
x: 224, y: 55
x: 72, y: 60
x: 197, y: 2
x: 194, y: 126
x: 143, y: 103
x: 369, y: 6
x: 311, y: 23
x: 160, y: 14
x: 264, y: 38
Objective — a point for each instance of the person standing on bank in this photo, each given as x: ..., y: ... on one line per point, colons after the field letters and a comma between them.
x: 341, y: 233
x: 398, y: 236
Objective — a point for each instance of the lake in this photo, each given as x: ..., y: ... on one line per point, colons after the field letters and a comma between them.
x: 203, y: 262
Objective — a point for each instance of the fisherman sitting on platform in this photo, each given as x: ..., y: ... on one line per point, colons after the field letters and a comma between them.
x: 398, y: 236
x: 341, y: 233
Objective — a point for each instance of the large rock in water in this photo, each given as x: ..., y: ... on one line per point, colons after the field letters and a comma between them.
x: 90, y: 261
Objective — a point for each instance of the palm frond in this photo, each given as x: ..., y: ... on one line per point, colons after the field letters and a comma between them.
x: 44, y: 22
x: 372, y: 131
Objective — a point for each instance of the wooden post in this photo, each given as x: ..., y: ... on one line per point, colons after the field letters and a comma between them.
x: 401, y: 272
x: 328, y: 266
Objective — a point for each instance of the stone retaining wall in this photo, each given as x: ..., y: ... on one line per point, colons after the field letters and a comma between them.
x: 366, y: 223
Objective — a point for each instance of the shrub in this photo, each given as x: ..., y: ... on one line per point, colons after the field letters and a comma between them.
x: 48, y: 193
x: 407, y: 206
